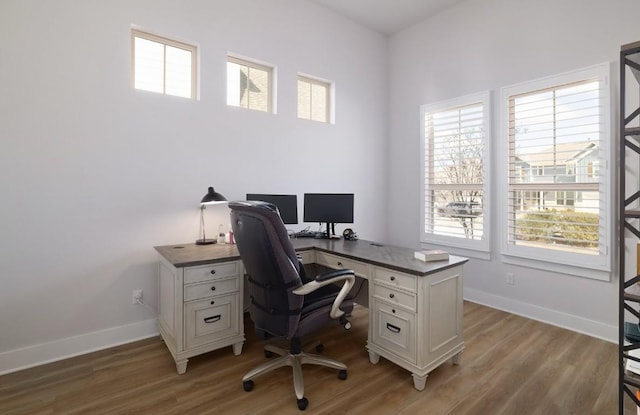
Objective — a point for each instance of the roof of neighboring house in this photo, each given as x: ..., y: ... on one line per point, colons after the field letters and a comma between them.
x: 565, y: 152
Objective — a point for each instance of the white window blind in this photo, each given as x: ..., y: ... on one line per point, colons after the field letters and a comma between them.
x: 558, y: 140
x: 249, y: 84
x: 163, y: 65
x: 455, y: 171
x: 313, y: 99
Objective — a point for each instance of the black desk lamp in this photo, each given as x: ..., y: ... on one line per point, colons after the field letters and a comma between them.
x: 212, y: 197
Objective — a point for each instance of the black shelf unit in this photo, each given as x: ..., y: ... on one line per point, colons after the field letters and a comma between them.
x: 628, y: 382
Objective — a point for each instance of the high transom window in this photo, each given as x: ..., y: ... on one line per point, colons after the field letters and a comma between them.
x: 163, y: 65
x: 249, y: 84
x: 314, y: 99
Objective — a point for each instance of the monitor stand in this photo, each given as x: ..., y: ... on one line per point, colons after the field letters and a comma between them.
x: 331, y: 230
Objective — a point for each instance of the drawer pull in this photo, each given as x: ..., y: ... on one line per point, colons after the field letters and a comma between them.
x: 391, y: 295
x: 213, y: 288
x: 213, y: 319
x: 392, y: 328
x: 392, y: 278
x: 339, y: 263
x: 212, y: 302
x: 213, y: 271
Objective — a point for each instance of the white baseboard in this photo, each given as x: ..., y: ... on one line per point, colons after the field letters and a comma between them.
x: 19, y: 359
x: 24, y: 358
x: 578, y: 324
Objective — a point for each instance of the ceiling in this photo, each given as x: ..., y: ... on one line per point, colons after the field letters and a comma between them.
x: 387, y: 16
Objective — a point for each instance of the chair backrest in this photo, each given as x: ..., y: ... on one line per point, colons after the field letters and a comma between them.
x: 271, y: 264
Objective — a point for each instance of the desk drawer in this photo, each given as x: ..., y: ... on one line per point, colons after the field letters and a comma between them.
x: 211, y: 320
x: 209, y: 289
x: 338, y: 262
x: 210, y: 272
x: 395, y: 279
x: 394, y: 330
x: 395, y: 297
x: 307, y: 257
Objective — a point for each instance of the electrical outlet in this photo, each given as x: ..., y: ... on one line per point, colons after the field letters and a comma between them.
x: 135, y: 296
x: 510, y: 278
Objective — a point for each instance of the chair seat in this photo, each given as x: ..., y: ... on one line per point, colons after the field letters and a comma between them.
x: 315, y: 311
x: 323, y: 297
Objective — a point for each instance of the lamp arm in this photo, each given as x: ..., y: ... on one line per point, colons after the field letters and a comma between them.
x: 202, y: 208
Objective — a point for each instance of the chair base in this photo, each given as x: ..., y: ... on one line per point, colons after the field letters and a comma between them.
x: 286, y: 358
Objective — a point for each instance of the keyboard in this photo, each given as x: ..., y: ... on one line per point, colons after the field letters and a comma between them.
x: 306, y: 234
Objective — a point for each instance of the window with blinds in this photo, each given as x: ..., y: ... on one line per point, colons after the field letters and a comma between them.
x: 455, y: 169
x: 249, y: 84
x: 314, y: 99
x: 558, y: 145
x: 163, y: 65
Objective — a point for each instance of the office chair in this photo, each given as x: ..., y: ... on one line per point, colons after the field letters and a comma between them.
x: 284, y: 303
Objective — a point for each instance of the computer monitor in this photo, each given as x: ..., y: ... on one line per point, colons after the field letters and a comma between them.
x: 286, y: 204
x: 330, y: 208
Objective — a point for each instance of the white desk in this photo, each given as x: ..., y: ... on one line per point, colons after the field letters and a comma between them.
x: 415, y: 307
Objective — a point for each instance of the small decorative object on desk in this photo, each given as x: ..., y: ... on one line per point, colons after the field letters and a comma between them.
x: 221, y: 235
x: 431, y: 255
x: 228, y: 238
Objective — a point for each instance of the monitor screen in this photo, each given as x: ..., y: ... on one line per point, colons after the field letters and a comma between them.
x: 328, y: 207
x: 286, y: 204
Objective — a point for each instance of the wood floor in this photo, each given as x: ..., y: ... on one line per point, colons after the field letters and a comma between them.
x: 511, y: 365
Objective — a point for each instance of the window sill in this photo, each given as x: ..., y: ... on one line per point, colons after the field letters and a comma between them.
x: 568, y: 269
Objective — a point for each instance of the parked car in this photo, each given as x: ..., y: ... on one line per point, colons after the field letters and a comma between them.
x: 462, y: 209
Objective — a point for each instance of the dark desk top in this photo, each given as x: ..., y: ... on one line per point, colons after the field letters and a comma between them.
x: 388, y: 256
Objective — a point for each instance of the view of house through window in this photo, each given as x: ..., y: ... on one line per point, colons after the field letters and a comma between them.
x: 163, y: 65
x: 249, y: 84
x: 556, y: 137
x: 454, y: 170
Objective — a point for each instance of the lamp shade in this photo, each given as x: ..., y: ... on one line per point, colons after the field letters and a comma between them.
x: 212, y: 197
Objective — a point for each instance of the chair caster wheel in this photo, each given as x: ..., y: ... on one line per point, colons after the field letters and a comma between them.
x: 345, y: 323
x: 302, y: 404
x: 320, y: 348
x: 268, y: 354
x: 247, y: 385
x: 342, y: 374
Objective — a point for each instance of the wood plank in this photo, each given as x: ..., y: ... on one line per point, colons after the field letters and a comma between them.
x: 510, y: 365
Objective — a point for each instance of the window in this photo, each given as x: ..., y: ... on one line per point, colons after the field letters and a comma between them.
x: 163, y: 65
x: 565, y: 198
x: 455, y: 170
x: 314, y: 97
x: 249, y: 84
x: 563, y: 216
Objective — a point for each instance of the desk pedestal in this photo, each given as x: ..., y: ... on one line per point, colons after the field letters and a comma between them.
x: 417, y: 330
x: 200, y: 309
x: 415, y: 321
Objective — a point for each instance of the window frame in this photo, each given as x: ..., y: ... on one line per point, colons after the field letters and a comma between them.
x: 580, y: 264
x: 330, y: 89
x: 258, y: 65
x: 479, y: 248
x: 191, y: 47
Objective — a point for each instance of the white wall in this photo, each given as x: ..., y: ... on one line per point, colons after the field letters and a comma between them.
x: 483, y: 45
x: 94, y: 173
